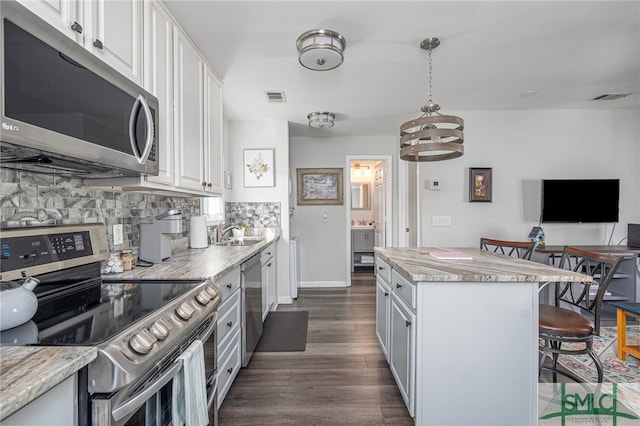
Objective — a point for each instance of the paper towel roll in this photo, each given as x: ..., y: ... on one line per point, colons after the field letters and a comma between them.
x: 198, y: 232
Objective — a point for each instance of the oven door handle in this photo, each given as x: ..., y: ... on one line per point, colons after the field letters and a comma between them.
x: 137, y: 401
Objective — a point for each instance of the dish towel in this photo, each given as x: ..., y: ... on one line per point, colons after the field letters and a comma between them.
x: 189, y: 401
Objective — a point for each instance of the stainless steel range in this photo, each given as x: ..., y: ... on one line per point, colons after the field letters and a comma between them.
x: 139, y: 328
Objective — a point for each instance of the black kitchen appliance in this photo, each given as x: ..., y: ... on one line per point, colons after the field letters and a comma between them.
x: 633, y: 234
x: 139, y: 327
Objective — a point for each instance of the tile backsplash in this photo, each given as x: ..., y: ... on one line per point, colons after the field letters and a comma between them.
x: 256, y: 215
x: 32, y: 199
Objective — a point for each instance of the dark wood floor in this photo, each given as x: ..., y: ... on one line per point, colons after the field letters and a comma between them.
x: 341, y: 379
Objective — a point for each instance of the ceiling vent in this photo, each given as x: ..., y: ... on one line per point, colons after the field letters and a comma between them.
x: 277, y: 97
x: 611, y: 96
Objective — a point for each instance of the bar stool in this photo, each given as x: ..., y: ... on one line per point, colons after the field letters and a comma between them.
x: 558, y: 325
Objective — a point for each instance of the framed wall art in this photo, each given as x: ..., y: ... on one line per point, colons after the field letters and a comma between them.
x: 258, y: 168
x: 480, y: 184
x: 319, y: 187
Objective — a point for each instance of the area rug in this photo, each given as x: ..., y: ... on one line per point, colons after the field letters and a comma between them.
x: 605, y: 345
x: 284, y: 332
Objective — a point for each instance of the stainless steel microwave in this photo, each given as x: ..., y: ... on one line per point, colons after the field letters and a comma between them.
x: 66, y: 112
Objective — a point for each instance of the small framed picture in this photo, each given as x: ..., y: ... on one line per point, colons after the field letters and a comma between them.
x: 258, y: 168
x: 319, y: 187
x: 480, y: 184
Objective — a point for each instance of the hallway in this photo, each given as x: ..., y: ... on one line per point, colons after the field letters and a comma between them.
x: 341, y: 379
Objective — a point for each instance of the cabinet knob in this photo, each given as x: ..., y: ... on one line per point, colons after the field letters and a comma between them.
x: 269, y: 264
x: 407, y: 323
x: 386, y: 294
x: 97, y: 43
x: 398, y: 285
x: 204, y: 183
x: 209, y: 184
x: 230, y: 370
x: 230, y: 324
x: 380, y: 268
x: 229, y: 285
x: 76, y: 27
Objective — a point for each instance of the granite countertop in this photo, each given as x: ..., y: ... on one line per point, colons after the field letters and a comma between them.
x: 416, y: 264
x: 211, y: 262
x: 28, y: 372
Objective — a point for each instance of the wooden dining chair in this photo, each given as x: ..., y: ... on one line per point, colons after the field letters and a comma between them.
x: 519, y: 249
x: 561, y: 323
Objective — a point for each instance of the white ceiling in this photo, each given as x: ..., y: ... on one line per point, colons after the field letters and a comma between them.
x: 490, y: 53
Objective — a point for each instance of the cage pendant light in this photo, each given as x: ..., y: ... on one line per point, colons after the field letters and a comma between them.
x: 432, y: 136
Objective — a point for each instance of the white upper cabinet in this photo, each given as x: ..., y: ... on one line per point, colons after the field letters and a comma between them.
x: 188, y: 68
x: 197, y: 120
x: 213, y: 133
x: 114, y: 34
x: 158, y: 80
x: 111, y: 30
x: 142, y: 41
x: 60, y: 14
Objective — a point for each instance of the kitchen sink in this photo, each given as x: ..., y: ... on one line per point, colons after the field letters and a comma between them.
x: 240, y: 242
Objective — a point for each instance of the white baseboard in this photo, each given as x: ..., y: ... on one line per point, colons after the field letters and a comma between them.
x: 285, y: 300
x: 321, y: 284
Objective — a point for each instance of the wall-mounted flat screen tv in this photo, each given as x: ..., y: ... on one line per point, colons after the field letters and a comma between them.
x: 580, y: 200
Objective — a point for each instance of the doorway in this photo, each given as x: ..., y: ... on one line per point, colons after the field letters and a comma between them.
x: 368, y: 184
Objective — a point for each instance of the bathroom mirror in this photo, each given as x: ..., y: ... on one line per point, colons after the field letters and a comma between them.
x: 360, y: 196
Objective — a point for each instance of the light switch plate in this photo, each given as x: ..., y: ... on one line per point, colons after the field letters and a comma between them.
x: 440, y: 220
x: 118, y: 237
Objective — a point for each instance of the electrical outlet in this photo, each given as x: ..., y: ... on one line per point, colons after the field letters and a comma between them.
x: 118, y: 236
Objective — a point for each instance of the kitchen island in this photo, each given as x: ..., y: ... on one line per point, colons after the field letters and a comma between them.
x: 461, y: 335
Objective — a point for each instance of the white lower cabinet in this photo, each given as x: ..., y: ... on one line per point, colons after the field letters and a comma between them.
x: 229, y: 363
x: 229, y: 332
x: 402, y: 349
x: 396, y: 329
x: 269, y: 263
x: 383, y: 309
x: 57, y: 406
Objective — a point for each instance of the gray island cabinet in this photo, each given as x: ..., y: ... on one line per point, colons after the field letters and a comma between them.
x: 461, y: 336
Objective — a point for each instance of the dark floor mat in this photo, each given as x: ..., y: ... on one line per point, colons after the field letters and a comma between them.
x: 284, y: 332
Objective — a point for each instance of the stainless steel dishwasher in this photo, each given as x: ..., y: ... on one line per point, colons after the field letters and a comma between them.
x: 251, y: 287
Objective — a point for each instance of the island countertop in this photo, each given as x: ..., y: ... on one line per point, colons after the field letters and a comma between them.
x: 417, y: 265
x: 28, y: 372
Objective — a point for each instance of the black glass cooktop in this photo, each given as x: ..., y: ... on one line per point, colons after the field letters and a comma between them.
x: 89, y: 312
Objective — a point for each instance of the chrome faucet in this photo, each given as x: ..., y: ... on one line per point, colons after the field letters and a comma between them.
x: 221, y: 231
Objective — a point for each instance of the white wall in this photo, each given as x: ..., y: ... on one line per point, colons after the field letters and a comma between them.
x: 323, y: 256
x: 524, y: 147
x: 263, y: 134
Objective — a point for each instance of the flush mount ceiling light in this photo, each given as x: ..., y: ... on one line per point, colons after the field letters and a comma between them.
x: 321, y: 119
x: 432, y: 136
x: 321, y: 50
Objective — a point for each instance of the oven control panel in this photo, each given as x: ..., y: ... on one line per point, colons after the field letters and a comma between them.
x: 33, y: 250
